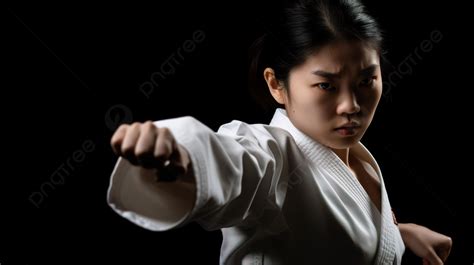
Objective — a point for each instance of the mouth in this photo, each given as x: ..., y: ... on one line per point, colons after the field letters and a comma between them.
x: 348, y: 129
x: 349, y: 125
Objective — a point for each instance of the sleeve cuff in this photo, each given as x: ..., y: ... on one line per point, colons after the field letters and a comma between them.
x: 135, y: 195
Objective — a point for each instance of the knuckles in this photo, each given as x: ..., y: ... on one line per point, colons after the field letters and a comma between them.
x: 153, y: 154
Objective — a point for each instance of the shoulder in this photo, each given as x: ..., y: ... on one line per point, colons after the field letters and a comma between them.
x: 240, y: 128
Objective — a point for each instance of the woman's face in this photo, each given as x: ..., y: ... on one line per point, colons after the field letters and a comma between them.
x: 334, y: 93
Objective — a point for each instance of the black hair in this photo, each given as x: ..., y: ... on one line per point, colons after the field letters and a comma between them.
x: 297, y: 30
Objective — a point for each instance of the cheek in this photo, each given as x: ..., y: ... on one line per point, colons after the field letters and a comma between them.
x: 372, y: 97
x: 326, y: 109
x: 318, y: 107
x: 377, y: 94
x: 309, y: 99
x: 310, y: 103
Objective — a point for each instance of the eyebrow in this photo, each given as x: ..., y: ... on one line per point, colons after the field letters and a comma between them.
x: 369, y: 70
x: 366, y: 71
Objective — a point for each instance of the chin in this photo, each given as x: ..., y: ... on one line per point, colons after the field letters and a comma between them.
x: 344, y: 143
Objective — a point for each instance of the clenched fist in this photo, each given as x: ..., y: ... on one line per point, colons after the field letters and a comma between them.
x: 146, y: 145
x: 431, y: 246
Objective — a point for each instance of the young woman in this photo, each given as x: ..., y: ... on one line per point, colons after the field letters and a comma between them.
x: 301, y: 190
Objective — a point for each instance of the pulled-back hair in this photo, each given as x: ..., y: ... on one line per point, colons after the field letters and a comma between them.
x: 297, y: 30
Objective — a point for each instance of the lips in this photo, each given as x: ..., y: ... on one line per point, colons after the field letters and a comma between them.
x: 349, y: 126
x: 348, y: 129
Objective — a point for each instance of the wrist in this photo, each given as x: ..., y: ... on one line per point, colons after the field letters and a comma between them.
x: 406, y: 230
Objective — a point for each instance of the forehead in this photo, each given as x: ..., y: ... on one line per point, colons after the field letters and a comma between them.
x: 340, y: 56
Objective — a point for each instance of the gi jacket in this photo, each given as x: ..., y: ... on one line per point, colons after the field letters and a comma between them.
x: 278, y: 196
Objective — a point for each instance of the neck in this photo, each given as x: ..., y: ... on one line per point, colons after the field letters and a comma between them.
x: 343, y: 154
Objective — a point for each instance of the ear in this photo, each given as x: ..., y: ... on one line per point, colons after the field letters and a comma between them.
x: 276, y: 89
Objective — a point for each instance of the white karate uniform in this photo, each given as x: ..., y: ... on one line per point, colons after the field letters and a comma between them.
x: 278, y: 197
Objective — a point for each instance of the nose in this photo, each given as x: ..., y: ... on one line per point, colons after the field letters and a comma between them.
x: 348, y: 104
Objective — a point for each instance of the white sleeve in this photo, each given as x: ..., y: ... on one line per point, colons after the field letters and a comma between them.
x: 238, y: 172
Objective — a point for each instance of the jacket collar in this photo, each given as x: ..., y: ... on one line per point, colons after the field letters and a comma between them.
x: 323, y: 156
x: 314, y: 150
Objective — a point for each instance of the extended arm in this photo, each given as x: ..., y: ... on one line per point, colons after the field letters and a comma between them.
x: 232, y: 175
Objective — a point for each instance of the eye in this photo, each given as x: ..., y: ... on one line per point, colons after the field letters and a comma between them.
x: 325, y: 86
x: 368, y: 81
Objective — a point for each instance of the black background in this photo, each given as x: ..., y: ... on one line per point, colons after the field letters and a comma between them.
x: 73, y: 73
